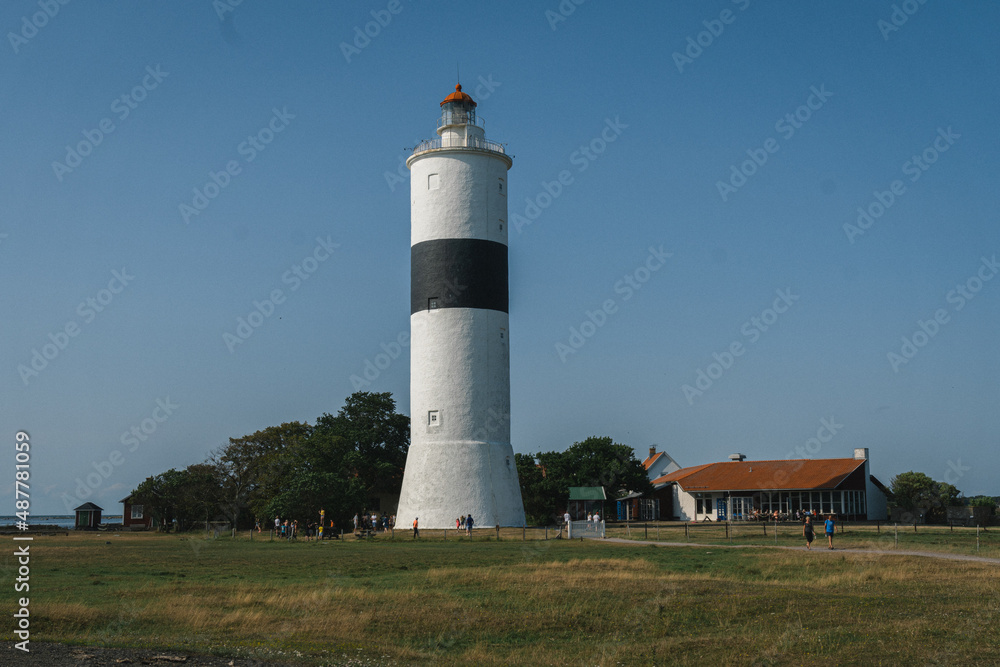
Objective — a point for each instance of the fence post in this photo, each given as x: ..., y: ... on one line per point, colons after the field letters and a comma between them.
x: 546, y: 532
x: 895, y: 531
x: 977, y: 538
x: 498, y: 532
x: 523, y: 531
x: 878, y: 530
x: 685, y: 530
x: 765, y: 529
x: 645, y: 531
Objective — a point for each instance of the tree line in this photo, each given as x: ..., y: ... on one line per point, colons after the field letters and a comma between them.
x: 344, y: 461
x: 916, y: 492
x: 293, y: 470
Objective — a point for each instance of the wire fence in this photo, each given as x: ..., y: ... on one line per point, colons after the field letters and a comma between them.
x: 873, y: 536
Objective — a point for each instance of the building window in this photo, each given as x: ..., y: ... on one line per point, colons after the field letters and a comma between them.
x: 433, y: 182
x: 434, y: 418
x: 136, y: 511
x: 432, y: 303
x: 703, y: 505
x: 501, y: 187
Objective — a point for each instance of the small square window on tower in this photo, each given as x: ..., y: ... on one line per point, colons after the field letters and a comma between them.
x: 501, y: 225
x: 434, y: 418
x: 432, y: 303
x: 433, y: 181
x: 501, y: 187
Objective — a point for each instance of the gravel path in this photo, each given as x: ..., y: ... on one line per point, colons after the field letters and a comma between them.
x: 866, y: 552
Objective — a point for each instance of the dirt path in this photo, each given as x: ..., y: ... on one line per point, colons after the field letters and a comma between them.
x: 819, y: 549
x: 50, y: 654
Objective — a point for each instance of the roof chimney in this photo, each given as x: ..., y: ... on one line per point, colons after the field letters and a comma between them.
x: 737, y: 457
x: 652, y: 451
x: 861, y: 453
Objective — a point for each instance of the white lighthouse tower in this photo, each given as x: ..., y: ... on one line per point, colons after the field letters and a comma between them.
x: 460, y: 460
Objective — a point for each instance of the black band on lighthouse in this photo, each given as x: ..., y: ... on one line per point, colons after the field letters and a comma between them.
x: 458, y: 273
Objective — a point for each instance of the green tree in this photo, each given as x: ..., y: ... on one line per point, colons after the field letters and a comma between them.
x: 984, y: 501
x: 253, y: 468
x: 318, y: 476
x: 915, y: 492
x: 546, y: 477
x: 376, y: 437
x: 912, y: 491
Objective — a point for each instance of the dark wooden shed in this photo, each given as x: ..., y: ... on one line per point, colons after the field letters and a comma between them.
x: 88, y: 515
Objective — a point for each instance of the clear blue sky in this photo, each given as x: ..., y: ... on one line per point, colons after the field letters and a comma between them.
x: 338, y: 121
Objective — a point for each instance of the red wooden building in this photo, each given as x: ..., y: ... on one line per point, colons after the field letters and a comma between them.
x: 134, y: 516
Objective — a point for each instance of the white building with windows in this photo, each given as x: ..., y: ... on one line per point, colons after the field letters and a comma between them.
x: 739, y: 489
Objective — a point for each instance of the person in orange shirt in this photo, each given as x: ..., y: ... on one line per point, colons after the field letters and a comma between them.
x: 416, y: 531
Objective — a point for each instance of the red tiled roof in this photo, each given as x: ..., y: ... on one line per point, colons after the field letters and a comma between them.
x: 757, y: 475
x: 651, y: 459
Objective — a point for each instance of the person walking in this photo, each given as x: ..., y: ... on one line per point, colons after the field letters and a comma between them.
x: 807, y: 532
x: 829, y: 530
x: 416, y: 530
x: 468, y: 525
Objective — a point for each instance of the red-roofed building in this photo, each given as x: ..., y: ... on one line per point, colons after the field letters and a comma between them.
x: 658, y: 464
x: 739, y: 489
x: 656, y: 506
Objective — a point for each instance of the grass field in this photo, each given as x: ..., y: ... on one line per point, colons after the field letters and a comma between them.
x: 491, y: 602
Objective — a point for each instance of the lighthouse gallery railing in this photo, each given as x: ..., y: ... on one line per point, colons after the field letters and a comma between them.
x: 468, y: 142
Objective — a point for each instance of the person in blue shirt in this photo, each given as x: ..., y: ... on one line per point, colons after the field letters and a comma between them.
x: 829, y: 530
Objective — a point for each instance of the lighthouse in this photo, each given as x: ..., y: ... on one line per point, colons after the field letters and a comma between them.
x: 460, y: 460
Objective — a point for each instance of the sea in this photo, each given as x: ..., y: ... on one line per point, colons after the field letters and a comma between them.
x: 53, y: 520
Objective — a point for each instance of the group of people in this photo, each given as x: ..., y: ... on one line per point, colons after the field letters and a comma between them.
x: 465, y: 523
x: 593, y: 520
x: 374, y: 523
x: 289, y: 529
x: 810, y: 534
